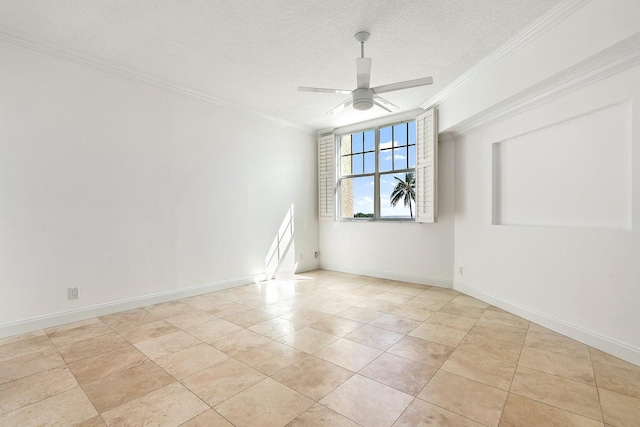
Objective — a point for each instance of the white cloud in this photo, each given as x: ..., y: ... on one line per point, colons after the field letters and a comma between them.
x: 399, y: 157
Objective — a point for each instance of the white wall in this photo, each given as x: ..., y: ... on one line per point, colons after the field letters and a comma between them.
x: 573, y: 271
x: 128, y: 191
x: 419, y: 253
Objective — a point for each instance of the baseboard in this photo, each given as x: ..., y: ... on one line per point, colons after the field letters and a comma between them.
x: 390, y: 275
x: 608, y: 345
x: 56, y: 319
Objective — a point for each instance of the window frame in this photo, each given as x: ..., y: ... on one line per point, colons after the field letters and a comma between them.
x: 376, y: 174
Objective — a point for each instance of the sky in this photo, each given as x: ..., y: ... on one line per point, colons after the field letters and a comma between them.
x: 394, y: 155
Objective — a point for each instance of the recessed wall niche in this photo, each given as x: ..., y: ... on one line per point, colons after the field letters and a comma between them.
x: 574, y: 173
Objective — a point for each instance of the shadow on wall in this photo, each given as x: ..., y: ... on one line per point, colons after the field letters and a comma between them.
x: 281, y: 259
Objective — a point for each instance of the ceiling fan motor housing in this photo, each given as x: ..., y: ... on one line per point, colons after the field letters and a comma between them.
x: 362, y: 99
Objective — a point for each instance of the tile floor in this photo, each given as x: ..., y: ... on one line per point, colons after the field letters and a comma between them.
x: 328, y: 349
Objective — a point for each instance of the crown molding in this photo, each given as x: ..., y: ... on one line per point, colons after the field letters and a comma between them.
x: 613, y: 60
x: 547, y: 21
x: 65, y: 53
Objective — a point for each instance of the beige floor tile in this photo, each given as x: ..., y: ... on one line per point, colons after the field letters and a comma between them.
x: 504, y: 318
x: 607, y: 359
x: 208, y: 418
x: 500, y: 331
x: 394, y: 297
x: 470, y: 301
x: 620, y: 380
x: 463, y: 310
x: 556, y: 343
x: 222, y: 380
x: 191, y: 360
x: 168, y: 309
x: 124, y: 386
x: 426, y: 303
x: 359, y: 314
x: 421, y: 413
x: 30, y: 364
x: 367, y: 402
x: 557, y: 364
x: 471, y: 399
x: 338, y: 326
x: 418, y: 314
x: 105, y: 364
x: 304, y: 317
x: 489, y: 371
x: 91, y: 422
x: 91, y: 347
x: 190, y: 318
x: 400, y: 373
x: 313, y: 377
x: 270, y: 402
x: 378, y: 338
x: 422, y: 351
x: 209, y: 331
x: 331, y: 307
x: 54, y: 330
x: 147, y: 331
x: 249, y: 317
x: 240, y: 342
x: 167, y: 344
x: 438, y: 334
x: 128, y: 319
x: 319, y: 415
x: 169, y: 406
x: 205, y: 302
x: 518, y: 409
x: 64, y: 409
x: 20, y: 348
x: 395, y: 323
x: 348, y: 354
x: 452, y: 321
x: 308, y: 339
x: 620, y: 410
x: 275, y: 328
x: 271, y: 357
x: 435, y: 295
x: 562, y: 393
x: 28, y: 390
x: 22, y: 337
x: 378, y: 305
x: 491, y: 347
x: 228, y: 308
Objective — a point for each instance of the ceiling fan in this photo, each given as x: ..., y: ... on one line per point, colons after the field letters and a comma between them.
x: 365, y: 97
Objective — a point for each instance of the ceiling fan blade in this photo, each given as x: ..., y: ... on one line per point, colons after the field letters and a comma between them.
x: 323, y: 90
x: 384, y: 104
x: 342, y: 106
x: 403, y: 85
x: 363, y: 67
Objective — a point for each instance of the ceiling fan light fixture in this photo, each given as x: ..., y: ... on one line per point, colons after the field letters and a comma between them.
x: 362, y: 99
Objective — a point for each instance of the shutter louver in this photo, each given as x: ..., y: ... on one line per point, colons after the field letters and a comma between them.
x: 326, y: 177
x: 426, y: 166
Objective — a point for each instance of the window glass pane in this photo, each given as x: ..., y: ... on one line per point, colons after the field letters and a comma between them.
x: 357, y: 197
x: 412, y: 132
x: 370, y: 162
x: 385, y: 137
x: 369, y: 140
x: 345, y: 145
x: 345, y: 165
x: 400, y: 158
x: 398, y: 187
x: 356, y: 142
x: 385, y: 160
x: 412, y: 156
x: 357, y: 164
x: 400, y: 134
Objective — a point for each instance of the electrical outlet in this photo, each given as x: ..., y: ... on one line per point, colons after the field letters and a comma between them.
x: 461, y: 270
x: 316, y: 255
x: 73, y: 293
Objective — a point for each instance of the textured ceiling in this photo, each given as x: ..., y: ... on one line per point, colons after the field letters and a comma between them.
x: 255, y: 53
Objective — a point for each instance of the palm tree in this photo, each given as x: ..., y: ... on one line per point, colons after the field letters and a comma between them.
x: 404, y: 190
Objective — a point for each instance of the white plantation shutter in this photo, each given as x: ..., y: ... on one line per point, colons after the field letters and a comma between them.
x: 426, y: 166
x: 326, y: 177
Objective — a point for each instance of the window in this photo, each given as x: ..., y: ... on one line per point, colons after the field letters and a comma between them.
x: 377, y: 173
